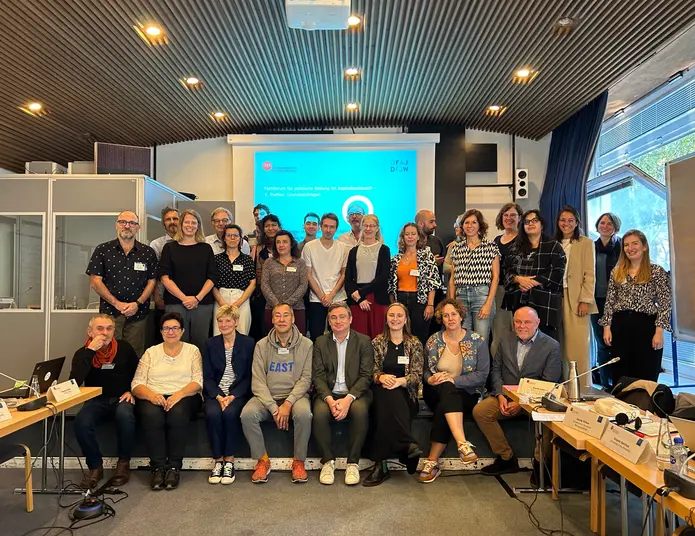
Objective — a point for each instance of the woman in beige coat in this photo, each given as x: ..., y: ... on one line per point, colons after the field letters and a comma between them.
x: 578, y: 283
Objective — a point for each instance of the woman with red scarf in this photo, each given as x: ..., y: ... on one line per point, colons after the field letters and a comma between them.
x: 107, y: 363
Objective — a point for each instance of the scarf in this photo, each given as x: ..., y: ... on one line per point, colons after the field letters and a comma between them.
x: 105, y: 354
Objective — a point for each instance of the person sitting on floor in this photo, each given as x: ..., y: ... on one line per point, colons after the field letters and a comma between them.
x: 110, y: 364
x: 280, y: 381
x: 342, y: 372
x: 526, y: 353
x: 227, y: 362
x: 458, y: 362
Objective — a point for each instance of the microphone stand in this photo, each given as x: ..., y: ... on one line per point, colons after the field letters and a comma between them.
x: 37, y: 403
x: 550, y: 402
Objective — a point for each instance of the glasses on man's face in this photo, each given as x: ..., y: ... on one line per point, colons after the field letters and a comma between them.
x: 126, y: 223
x: 171, y: 329
x: 532, y: 220
x: 567, y: 220
x: 224, y: 221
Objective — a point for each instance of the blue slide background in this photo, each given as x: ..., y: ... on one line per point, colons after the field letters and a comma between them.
x: 293, y: 183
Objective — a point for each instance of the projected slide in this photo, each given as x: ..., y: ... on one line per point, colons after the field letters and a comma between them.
x: 293, y: 183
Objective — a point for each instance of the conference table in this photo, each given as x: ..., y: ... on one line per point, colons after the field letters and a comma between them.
x: 22, y: 419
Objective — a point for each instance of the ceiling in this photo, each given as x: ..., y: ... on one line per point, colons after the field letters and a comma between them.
x: 423, y: 61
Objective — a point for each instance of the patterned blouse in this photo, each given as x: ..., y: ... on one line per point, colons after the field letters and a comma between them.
x: 428, y: 280
x: 651, y: 298
x: 476, y: 360
x: 412, y: 347
x: 473, y: 267
x: 237, y: 274
x: 282, y: 283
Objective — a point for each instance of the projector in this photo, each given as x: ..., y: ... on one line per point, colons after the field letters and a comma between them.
x: 317, y: 14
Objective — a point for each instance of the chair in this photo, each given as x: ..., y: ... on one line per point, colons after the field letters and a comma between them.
x: 10, y: 450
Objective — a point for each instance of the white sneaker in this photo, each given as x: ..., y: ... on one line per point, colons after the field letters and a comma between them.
x: 352, y: 474
x: 228, y: 475
x: 328, y: 473
x: 216, y: 474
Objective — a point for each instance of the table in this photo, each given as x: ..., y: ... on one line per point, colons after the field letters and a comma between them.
x: 22, y: 419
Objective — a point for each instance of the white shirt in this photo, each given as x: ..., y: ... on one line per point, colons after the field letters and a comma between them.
x: 567, y: 247
x: 158, y: 244
x: 218, y: 246
x: 165, y: 374
x: 326, y: 265
x: 366, y: 261
x: 348, y: 238
x: 340, y: 386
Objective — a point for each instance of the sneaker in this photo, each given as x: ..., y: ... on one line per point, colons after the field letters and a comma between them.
x: 260, y: 474
x: 466, y: 452
x: 158, y: 477
x: 228, y: 475
x: 501, y: 467
x: 430, y: 472
x: 328, y: 473
x: 216, y: 474
x: 352, y: 474
x: 299, y: 472
x: 172, y: 478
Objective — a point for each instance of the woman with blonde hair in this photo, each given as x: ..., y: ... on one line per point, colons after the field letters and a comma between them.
x: 188, y: 272
x: 398, y: 362
x: 637, y: 311
x: 366, y: 279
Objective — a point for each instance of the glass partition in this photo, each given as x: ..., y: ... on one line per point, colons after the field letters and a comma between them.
x: 75, y: 239
x: 21, y: 261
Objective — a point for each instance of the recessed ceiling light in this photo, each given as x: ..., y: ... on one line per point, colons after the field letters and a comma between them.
x: 351, y: 71
x: 564, y: 26
x: 35, y: 106
x: 524, y: 75
x: 153, y: 30
x: 152, y: 34
x: 219, y: 115
x: 352, y: 74
x: 565, y: 21
x: 495, y: 110
x: 353, y: 20
x: 192, y: 81
x: 352, y: 106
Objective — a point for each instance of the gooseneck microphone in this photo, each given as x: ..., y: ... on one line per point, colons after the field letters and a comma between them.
x: 37, y: 403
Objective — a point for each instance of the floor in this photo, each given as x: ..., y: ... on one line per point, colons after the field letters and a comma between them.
x: 453, y: 504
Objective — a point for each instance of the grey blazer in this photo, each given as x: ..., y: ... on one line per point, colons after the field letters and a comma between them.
x: 359, y: 364
x: 543, y: 362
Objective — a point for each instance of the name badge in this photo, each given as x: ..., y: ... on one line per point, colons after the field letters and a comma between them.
x: 403, y: 360
x: 168, y: 359
x: 284, y: 351
x: 140, y: 267
x: 237, y: 268
x: 415, y: 273
x: 108, y: 366
x: 291, y: 269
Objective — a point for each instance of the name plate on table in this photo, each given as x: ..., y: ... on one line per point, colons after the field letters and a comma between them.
x: 586, y: 421
x: 538, y: 388
x: 63, y: 391
x: 5, y: 414
x: 628, y: 445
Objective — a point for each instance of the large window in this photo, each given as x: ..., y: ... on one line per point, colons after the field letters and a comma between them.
x: 21, y: 261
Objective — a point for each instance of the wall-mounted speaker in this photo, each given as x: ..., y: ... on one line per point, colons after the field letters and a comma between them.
x: 521, y: 183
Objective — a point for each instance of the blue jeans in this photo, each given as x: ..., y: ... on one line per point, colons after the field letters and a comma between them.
x: 473, y: 298
x: 224, y: 427
x: 96, y: 411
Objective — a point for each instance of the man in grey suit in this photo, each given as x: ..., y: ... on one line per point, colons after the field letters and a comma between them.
x: 526, y: 353
x: 343, y: 364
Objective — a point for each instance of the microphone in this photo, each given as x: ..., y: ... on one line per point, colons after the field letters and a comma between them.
x: 551, y: 403
x: 38, y: 403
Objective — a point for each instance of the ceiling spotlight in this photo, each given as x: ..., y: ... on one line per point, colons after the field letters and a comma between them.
x: 192, y: 81
x: 219, y: 115
x: 152, y: 30
x: 353, y: 20
x: 524, y: 75
x: 352, y: 106
x: 564, y: 26
x: 352, y: 74
x: 565, y: 21
x: 35, y: 106
x: 495, y: 110
x: 152, y: 34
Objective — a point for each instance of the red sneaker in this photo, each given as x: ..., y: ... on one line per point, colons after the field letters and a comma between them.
x: 299, y: 472
x: 260, y: 474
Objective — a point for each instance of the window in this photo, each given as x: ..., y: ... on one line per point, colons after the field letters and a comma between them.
x: 21, y: 261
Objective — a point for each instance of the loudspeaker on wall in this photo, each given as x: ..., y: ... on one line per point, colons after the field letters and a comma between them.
x: 521, y: 183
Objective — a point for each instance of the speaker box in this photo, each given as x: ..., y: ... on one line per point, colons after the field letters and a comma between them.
x: 521, y: 184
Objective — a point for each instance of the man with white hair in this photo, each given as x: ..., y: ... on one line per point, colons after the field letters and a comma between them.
x: 220, y: 218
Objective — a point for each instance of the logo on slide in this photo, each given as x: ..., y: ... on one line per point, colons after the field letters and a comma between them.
x: 267, y: 166
x: 359, y: 200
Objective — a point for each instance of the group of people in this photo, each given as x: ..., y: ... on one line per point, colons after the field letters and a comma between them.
x: 372, y: 345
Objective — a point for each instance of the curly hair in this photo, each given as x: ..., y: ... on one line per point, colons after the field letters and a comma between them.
x: 460, y: 308
x: 421, y: 241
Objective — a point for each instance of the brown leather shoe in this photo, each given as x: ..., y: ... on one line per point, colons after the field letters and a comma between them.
x: 92, y: 478
x: 122, y: 474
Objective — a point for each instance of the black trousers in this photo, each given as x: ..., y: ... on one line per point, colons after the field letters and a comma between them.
x: 603, y: 351
x: 258, y: 329
x: 358, y: 419
x: 224, y: 427
x: 393, y: 412
x: 316, y: 320
x: 166, y: 432
x: 416, y: 311
x: 442, y: 399
x: 632, y: 342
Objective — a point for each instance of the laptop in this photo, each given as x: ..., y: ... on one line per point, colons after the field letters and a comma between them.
x: 47, y: 372
x: 686, y: 429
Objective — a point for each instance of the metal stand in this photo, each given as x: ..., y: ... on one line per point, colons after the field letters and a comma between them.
x: 60, y: 486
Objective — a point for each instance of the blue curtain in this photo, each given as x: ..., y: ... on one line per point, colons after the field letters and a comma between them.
x: 572, y: 148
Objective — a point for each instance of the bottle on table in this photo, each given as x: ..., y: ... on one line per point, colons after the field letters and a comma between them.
x: 663, y: 446
x: 34, y: 391
x: 678, y: 454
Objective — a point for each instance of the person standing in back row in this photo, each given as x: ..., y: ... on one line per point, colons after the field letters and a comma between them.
x: 220, y: 218
x: 325, y: 261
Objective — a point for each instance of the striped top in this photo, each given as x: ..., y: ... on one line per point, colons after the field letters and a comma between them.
x: 228, y: 377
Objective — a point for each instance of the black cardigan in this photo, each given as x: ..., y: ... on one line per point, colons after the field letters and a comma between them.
x: 378, y: 286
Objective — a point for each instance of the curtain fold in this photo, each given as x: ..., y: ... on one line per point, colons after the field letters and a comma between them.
x: 572, y: 149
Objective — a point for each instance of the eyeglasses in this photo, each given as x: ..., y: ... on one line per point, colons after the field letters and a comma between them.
x: 124, y: 223
x: 172, y: 329
x: 369, y: 226
x: 512, y: 216
x: 532, y: 220
x: 567, y: 220
x: 235, y: 235
x: 223, y: 220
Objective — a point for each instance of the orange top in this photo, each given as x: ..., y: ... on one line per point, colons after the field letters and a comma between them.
x: 407, y: 282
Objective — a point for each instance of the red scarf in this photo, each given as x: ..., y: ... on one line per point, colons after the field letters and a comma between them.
x: 105, y: 354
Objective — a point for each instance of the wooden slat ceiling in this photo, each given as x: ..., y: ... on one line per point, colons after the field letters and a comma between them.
x: 423, y: 61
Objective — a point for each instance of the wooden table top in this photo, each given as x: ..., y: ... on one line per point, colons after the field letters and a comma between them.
x: 22, y: 419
